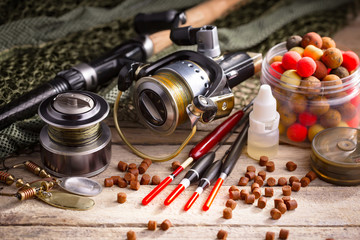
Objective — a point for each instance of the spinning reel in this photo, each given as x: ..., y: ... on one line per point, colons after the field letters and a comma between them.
x: 185, y: 85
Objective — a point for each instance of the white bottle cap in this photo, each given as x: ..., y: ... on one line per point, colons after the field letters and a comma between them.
x: 264, y: 116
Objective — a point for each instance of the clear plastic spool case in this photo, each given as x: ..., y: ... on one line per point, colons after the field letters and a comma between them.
x: 335, y: 155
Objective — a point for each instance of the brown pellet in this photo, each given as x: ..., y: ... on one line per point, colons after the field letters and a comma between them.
x: 250, y: 169
x: 291, y: 205
x: 270, y: 166
x: 305, y: 181
x: 262, y: 174
x: 293, y: 179
x: 108, y: 182
x: 286, y: 190
x: 147, y: 161
x: 282, y: 181
x: 231, y: 204
x: 282, y: 207
x: 262, y: 202
x: 275, y: 213
x: 254, y: 185
x: 166, y: 224
x: 269, y: 192
x: 152, y: 225
x: 277, y: 201
x: 132, y: 166
x: 243, y: 194
x: 271, y: 181
x: 243, y: 181
x: 250, y: 175
x: 143, y: 168
x: 286, y: 199
x: 235, y: 195
x: 122, y: 183
x: 283, y: 234
x: 259, y: 180
x: 145, y: 179
x: 175, y: 165
x: 131, y: 235
x: 134, y: 171
x: 263, y: 160
x: 222, y: 234
x: 250, y: 198
x: 257, y: 192
x: 155, y: 180
x: 135, y: 185
x: 233, y: 188
x: 295, y: 186
x: 129, y: 177
x: 270, y: 236
x: 291, y: 166
x: 121, y: 197
x: 227, y: 213
x: 122, y: 166
x: 115, y: 179
x: 311, y: 175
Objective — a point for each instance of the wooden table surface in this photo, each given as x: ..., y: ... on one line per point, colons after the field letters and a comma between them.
x: 324, y: 210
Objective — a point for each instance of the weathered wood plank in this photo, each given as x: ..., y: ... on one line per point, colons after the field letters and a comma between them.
x: 317, y: 206
x: 120, y: 152
x: 176, y: 232
x: 147, y: 137
x: 314, y: 201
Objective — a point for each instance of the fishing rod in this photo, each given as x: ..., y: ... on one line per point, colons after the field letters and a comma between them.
x: 88, y: 76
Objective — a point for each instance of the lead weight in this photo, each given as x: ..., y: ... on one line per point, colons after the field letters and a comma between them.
x: 6, y: 178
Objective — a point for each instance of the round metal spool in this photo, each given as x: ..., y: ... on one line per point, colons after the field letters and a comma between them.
x: 161, y: 100
x: 335, y: 155
x: 75, y: 110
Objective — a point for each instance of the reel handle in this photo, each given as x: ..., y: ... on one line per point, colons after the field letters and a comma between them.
x: 154, y: 22
x: 198, y: 16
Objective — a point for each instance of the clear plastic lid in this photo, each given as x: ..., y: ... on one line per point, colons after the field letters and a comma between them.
x: 336, y: 155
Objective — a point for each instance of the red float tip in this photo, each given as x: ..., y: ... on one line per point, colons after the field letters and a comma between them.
x: 174, y: 194
x: 206, y: 207
x: 145, y: 201
x: 191, y: 201
x: 148, y: 198
x: 213, y: 194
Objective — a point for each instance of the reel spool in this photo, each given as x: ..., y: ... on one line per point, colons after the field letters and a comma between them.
x: 75, y: 142
x: 161, y: 99
x: 335, y: 155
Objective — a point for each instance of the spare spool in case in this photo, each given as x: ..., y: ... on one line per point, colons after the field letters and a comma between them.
x: 75, y: 142
x: 335, y: 155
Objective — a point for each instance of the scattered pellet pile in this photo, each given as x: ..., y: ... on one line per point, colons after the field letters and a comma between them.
x: 262, y: 189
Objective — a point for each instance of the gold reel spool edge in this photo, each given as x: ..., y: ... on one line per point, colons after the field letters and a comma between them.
x: 77, y: 137
x: 178, y: 89
x: 138, y: 152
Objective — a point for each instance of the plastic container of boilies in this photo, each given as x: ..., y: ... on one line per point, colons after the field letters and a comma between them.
x: 322, y: 107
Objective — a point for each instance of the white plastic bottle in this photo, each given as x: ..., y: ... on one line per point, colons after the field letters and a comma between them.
x: 263, y: 134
